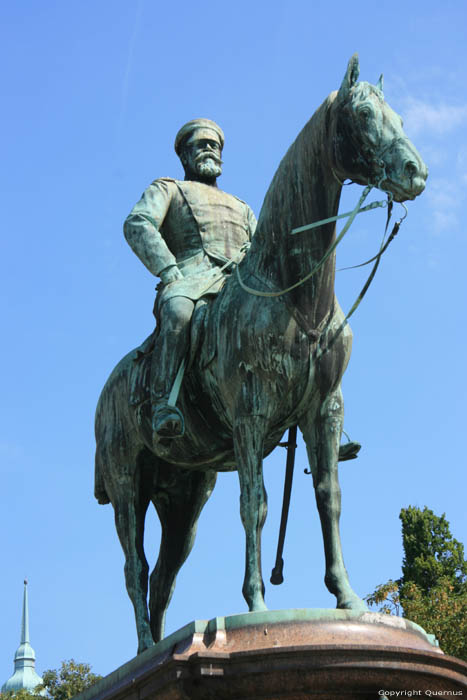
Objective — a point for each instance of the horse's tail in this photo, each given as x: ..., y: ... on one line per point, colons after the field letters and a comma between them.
x: 111, y: 412
x: 100, y: 492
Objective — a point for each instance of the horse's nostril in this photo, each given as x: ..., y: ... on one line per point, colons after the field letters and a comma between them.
x: 411, y: 168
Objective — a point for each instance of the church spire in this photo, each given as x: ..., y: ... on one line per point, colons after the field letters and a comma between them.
x: 25, y: 675
x: 25, y: 617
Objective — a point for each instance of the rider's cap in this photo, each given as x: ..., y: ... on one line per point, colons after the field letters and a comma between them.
x: 187, y: 130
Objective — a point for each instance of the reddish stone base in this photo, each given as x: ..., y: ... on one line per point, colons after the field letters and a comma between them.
x: 290, y: 654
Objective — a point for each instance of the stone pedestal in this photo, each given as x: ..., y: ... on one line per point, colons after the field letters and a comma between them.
x: 290, y: 654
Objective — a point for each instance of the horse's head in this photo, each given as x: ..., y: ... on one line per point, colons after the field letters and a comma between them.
x: 370, y: 146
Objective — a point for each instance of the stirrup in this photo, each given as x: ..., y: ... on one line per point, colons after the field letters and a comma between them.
x: 349, y: 450
x: 167, y: 422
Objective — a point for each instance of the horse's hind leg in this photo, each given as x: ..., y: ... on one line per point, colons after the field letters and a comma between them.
x: 322, y: 435
x: 130, y: 506
x: 179, y: 498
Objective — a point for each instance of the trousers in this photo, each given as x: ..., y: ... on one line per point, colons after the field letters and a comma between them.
x: 171, y: 345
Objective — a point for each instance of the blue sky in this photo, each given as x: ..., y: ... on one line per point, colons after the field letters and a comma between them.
x: 94, y: 93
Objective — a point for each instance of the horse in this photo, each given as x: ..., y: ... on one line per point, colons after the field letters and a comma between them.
x: 269, y: 354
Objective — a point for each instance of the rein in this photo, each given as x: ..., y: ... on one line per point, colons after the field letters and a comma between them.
x: 325, y: 257
x: 377, y: 259
x: 351, y: 216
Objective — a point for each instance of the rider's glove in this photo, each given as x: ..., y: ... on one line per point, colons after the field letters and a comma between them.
x: 170, y: 274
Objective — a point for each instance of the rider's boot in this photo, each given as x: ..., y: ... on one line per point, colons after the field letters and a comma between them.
x: 170, y: 349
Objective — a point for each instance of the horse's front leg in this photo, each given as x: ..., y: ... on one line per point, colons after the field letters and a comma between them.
x: 249, y: 434
x: 322, y: 436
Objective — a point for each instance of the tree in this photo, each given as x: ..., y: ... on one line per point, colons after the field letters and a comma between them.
x: 66, y: 682
x: 432, y: 590
x: 72, y: 678
x: 387, y: 596
x: 21, y: 694
x: 431, y: 552
x: 441, y: 611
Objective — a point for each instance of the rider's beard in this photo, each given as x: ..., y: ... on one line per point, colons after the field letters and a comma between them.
x: 208, y: 166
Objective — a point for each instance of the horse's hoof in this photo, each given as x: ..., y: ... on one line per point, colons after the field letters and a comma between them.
x: 353, y: 603
x: 146, y: 644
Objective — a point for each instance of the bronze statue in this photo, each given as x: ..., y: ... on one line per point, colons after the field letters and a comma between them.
x: 266, y: 353
x: 183, y: 232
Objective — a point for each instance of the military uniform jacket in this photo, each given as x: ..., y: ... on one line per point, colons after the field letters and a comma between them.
x: 194, y: 226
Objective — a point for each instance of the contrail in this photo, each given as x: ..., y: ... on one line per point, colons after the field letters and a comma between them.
x: 126, y: 76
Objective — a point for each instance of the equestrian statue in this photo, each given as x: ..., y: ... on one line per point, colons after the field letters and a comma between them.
x: 250, y: 340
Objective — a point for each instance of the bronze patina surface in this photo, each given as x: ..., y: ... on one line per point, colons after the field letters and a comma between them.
x: 289, y: 654
x: 259, y: 361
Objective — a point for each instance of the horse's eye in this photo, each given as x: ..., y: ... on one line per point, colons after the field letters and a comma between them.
x: 364, y: 114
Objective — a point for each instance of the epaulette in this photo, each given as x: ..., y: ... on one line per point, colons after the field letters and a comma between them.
x: 235, y: 197
x: 240, y: 200
x: 164, y: 179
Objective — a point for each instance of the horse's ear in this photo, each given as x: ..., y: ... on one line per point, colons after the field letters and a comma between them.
x: 380, y: 83
x: 351, y: 76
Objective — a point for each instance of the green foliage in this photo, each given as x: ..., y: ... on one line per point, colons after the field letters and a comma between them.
x: 442, y: 611
x: 72, y: 678
x: 431, y: 552
x: 21, y: 694
x: 387, y: 596
x: 432, y: 590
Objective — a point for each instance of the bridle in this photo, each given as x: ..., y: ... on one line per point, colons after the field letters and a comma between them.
x: 351, y: 215
x: 377, y: 176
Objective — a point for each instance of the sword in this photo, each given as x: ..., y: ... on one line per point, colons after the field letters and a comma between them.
x: 277, y: 573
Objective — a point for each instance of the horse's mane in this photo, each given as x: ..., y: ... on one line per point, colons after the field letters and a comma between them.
x: 301, y: 191
x: 296, y: 186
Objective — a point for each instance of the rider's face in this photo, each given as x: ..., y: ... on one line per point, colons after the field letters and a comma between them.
x: 202, y: 155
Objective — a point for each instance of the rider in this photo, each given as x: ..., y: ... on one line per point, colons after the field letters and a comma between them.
x: 184, y: 232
